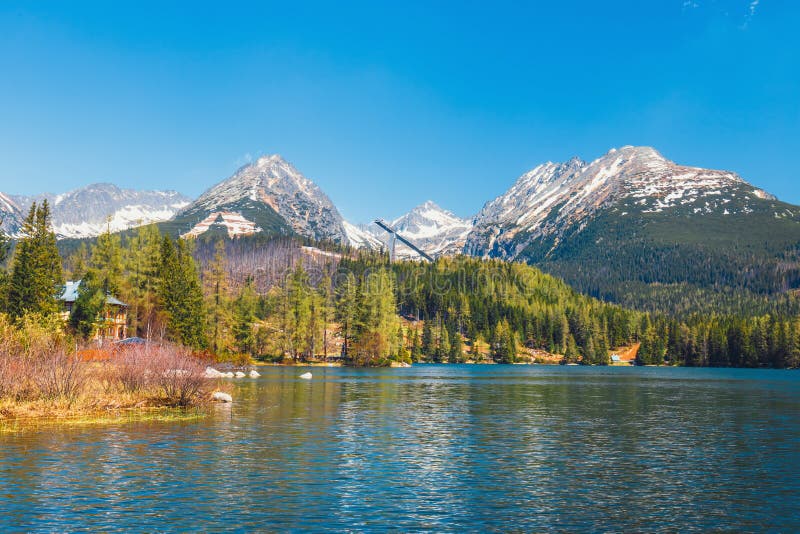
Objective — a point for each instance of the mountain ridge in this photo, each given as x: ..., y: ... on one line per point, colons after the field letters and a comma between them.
x: 95, y: 208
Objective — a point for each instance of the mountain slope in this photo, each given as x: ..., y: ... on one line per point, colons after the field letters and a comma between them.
x: 633, y: 218
x: 363, y: 236
x: 10, y: 215
x: 435, y: 230
x: 270, y: 196
x: 430, y: 227
x: 89, y: 211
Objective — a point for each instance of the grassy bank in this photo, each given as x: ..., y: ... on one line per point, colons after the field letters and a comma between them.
x: 58, y: 385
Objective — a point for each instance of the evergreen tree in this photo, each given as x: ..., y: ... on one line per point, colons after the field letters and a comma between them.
x: 4, y: 244
x: 443, y: 348
x: 571, y: 354
x: 217, y: 289
x: 36, y: 273
x: 142, y: 264
x: 299, y: 312
x: 244, y: 319
x: 347, y: 311
x: 378, y: 318
x: 428, y: 341
x: 4, y: 247
x: 416, y: 346
x: 475, y: 350
x: 404, y: 352
x: 503, y: 344
x: 181, y: 295
x: 88, y: 307
x: 456, y: 354
x: 327, y: 309
x: 106, y: 262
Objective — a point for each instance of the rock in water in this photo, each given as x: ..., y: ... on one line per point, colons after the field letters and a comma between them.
x: 240, y: 374
x: 254, y: 374
x: 306, y: 376
x: 219, y: 396
x: 212, y: 373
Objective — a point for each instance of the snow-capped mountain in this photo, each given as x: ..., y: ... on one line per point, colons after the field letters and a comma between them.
x: 91, y: 210
x: 433, y: 229
x: 363, y: 236
x: 268, y: 195
x: 555, y: 198
x: 10, y: 215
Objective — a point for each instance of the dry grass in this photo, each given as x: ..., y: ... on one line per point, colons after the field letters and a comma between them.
x: 56, y: 384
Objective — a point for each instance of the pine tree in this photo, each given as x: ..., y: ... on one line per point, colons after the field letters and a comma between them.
x: 403, y: 352
x: 106, y: 262
x: 244, y: 319
x: 4, y: 247
x: 378, y: 318
x: 181, y: 295
x: 36, y: 273
x: 216, y: 288
x: 5, y: 243
x: 327, y: 309
x: 571, y: 354
x: 347, y: 311
x: 443, y: 348
x: 142, y: 263
x: 503, y: 343
x: 416, y: 347
x: 77, y: 264
x: 456, y: 354
x: 428, y: 341
x: 299, y: 312
x: 87, y: 310
x: 475, y: 350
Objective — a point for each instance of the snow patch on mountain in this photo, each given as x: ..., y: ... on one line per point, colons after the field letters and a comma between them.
x: 362, y: 237
x: 273, y: 181
x: 10, y: 215
x: 555, y: 196
x: 234, y: 224
x: 89, y: 211
x: 433, y: 229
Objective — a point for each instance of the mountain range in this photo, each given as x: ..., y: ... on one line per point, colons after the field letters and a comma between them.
x: 629, y: 217
x: 94, y: 209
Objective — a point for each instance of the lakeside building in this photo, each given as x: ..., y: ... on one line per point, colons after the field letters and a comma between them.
x: 113, y: 319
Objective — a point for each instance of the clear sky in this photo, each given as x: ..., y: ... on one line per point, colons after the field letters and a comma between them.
x: 388, y: 104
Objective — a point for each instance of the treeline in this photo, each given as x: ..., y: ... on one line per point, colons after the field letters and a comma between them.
x: 311, y: 304
x: 722, y: 341
x: 156, y: 276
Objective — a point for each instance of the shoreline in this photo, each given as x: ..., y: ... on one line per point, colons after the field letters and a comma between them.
x: 21, y: 423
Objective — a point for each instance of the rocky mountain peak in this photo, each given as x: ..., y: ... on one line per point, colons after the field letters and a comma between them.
x: 555, y: 196
x: 273, y: 181
x: 91, y: 210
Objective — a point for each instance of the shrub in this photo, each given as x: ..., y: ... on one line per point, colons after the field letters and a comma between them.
x: 59, y: 375
x: 167, y: 371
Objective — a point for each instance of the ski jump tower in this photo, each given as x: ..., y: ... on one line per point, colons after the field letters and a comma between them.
x: 395, y: 236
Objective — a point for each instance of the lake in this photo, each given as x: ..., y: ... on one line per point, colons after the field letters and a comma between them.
x: 432, y: 447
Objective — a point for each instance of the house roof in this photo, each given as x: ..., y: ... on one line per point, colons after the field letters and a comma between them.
x: 70, y: 291
x: 70, y: 294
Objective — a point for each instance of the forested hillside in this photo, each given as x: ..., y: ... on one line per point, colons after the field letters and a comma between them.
x: 682, y: 262
x: 283, y: 298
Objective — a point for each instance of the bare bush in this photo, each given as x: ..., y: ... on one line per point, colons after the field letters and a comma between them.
x: 133, y: 369
x: 59, y: 375
x: 164, y: 370
x: 9, y: 375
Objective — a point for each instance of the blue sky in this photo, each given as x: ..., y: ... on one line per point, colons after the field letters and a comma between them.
x: 388, y: 104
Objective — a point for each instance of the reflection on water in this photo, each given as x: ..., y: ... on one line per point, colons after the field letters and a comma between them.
x: 433, y: 448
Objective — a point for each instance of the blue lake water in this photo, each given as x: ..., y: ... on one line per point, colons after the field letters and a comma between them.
x: 444, y: 448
